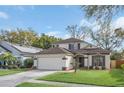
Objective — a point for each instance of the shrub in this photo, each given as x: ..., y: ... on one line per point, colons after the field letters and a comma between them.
x: 22, y: 67
x: 12, y: 66
x: 116, y: 56
x: 28, y: 63
x: 122, y: 66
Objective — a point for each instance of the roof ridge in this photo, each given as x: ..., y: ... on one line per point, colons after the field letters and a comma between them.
x: 71, y: 40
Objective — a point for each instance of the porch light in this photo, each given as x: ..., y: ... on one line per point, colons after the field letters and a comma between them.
x: 35, y: 58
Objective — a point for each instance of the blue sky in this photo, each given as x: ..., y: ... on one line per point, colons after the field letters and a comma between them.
x: 51, y: 20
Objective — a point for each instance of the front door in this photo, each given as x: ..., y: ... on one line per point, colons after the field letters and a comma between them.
x: 81, y: 61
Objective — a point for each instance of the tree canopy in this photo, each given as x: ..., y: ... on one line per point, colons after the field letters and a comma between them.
x: 79, y: 32
x: 44, y: 41
x: 19, y: 36
x: 8, y: 58
x: 105, y: 36
x: 102, y: 13
x: 27, y: 37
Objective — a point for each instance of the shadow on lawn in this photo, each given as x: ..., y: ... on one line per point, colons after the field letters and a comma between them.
x: 119, y: 75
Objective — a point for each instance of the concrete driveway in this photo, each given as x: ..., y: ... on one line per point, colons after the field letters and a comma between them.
x: 15, y: 79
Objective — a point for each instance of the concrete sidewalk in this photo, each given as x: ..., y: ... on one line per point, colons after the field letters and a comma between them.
x: 60, y: 83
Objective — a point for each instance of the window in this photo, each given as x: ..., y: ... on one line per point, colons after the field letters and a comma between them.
x: 78, y: 45
x: 98, y: 60
x: 71, y: 47
x: 57, y: 45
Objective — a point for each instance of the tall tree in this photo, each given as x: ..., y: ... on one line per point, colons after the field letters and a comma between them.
x: 19, y: 36
x: 109, y: 39
x: 45, y: 41
x: 105, y: 36
x: 79, y: 32
x: 26, y: 37
x: 101, y: 13
x: 8, y: 58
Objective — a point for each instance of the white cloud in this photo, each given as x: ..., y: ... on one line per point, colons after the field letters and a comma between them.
x: 66, y: 36
x: 93, y: 25
x: 53, y: 33
x: 58, y: 34
x: 119, y: 22
x: 4, y: 15
x: 48, y: 27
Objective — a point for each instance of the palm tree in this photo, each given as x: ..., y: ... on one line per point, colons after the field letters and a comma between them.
x: 8, y: 58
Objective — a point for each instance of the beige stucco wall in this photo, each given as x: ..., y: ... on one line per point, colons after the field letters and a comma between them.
x: 66, y: 45
x: 88, y: 60
x: 35, y: 63
x: 107, y: 61
x: 63, y: 45
x: 69, y: 62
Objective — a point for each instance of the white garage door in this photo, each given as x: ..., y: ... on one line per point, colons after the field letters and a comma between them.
x: 50, y: 63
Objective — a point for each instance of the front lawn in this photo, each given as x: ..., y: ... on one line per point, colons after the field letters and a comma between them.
x: 27, y: 84
x: 91, y: 77
x: 12, y: 71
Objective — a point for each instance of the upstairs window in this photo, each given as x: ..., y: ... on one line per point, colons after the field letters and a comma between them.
x: 71, y: 47
x: 78, y: 45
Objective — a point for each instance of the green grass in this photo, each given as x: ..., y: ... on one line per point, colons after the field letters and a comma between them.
x: 12, y: 71
x: 92, y: 77
x: 27, y: 84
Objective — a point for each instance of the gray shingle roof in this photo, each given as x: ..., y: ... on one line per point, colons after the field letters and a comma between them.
x: 55, y: 50
x: 70, y: 40
x: 93, y: 51
x: 23, y: 49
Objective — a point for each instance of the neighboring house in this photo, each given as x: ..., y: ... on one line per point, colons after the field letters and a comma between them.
x: 64, y: 53
x: 20, y: 52
x: 3, y: 49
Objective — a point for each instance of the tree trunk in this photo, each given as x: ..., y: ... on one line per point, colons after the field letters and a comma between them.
x: 75, y: 65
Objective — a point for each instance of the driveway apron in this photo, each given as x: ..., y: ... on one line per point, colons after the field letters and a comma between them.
x: 15, y: 79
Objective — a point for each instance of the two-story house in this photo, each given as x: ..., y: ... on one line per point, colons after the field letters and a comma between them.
x: 63, y: 54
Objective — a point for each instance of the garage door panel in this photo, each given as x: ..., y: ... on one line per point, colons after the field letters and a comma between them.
x: 50, y: 63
